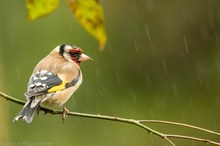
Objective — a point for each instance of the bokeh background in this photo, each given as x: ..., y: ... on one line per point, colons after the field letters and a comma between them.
x: 162, y: 61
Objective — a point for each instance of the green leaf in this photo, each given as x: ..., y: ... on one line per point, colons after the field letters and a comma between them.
x: 90, y: 15
x: 39, y: 8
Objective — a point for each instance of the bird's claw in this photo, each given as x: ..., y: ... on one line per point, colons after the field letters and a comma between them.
x: 64, y: 113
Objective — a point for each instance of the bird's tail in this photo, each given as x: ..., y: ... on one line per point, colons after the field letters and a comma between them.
x: 28, y: 111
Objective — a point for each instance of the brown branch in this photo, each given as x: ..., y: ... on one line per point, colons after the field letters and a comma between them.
x: 139, y: 123
x: 10, y: 98
x: 193, y: 138
x: 180, y: 124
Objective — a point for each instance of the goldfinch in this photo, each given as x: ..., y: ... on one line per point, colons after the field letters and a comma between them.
x: 54, y: 79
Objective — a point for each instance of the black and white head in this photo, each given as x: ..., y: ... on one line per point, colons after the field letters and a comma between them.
x: 72, y: 53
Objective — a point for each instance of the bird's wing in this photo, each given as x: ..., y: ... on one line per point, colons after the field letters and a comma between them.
x: 44, y: 81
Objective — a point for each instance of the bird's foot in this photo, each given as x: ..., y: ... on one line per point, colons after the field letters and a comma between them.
x: 64, y: 113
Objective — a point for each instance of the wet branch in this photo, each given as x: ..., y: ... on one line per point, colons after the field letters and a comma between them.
x: 139, y: 123
x: 180, y: 124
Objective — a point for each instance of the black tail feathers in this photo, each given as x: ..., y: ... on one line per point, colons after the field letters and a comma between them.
x: 28, y: 111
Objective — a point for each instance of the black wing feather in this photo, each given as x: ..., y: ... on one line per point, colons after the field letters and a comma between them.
x: 41, y: 82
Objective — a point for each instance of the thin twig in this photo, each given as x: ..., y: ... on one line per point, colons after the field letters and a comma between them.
x: 138, y: 123
x: 180, y: 124
x: 10, y: 98
x: 193, y: 138
x: 167, y: 139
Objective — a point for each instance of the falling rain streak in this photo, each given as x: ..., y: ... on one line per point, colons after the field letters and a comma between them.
x: 167, y: 85
x: 186, y: 45
x: 136, y: 47
x: 147, y: 32
x: 164, y: 66
x: 101, y: 93
x: 200, y: 80
x: 184, y: 14
x: 118, y: 78
x: 133, y: 95
x: 147, y: 78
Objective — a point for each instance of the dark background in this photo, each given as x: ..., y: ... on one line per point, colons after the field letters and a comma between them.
x: 161, y: 62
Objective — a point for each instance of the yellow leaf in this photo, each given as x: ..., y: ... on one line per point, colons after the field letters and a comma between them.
x: 39, y: 8
x: 90, y: 14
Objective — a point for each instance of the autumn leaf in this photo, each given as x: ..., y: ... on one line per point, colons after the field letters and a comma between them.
x: 39, y: 8
x: 90, y: 14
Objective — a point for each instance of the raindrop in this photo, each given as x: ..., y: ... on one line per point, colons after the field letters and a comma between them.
x: 149, y: 5
x: 164, y: 66
x: 133, y: 96
x: 147, y: 31
x: 184, y: 14
x: 193, y: 143
x: 152, y: 138
x: 174, y: 89
x: 200, y: 80
x: 18, y: 73
x: 167, y: 85
x: 154, y: 51
x: 148, y: 80
x: 188, y: 14
x: 135, y: 99
x: 100, y: 93
x: 190, y: 101
x: 118, y: 78
x: 96, y: 56
x: 136, y: 47
x: 186, y: 45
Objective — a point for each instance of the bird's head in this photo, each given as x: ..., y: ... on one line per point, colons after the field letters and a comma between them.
x: 72, y: 53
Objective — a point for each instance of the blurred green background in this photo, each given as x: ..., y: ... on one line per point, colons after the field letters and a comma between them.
x: 162, y: 61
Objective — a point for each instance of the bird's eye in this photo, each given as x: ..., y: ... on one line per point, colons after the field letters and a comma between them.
x: 74, y: 55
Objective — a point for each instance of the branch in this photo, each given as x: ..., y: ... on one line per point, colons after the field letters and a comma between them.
x: 192, y: 138
x: 180, y: 124
x: 10, y: 98
x: 139, y: 123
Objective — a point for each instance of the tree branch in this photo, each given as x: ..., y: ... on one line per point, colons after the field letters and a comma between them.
x: 139, y: 123
x: 192, y: 138
x: 10, y: 98
x: 180, y: 124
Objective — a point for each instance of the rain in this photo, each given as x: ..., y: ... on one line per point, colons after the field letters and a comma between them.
x: 147, y: 32
x: 186, y: 45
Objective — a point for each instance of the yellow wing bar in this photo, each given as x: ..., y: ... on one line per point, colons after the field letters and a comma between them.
x: 57, y: 88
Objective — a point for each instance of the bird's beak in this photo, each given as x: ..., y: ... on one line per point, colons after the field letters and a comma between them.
x: 84, y: 57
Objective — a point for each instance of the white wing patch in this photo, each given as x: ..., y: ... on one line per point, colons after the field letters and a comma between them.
x: 41, y: 82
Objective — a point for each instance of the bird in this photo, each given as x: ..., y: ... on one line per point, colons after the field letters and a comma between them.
x: 54, y: 79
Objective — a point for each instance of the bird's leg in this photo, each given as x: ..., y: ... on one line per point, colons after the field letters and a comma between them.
x: 64, y: 113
